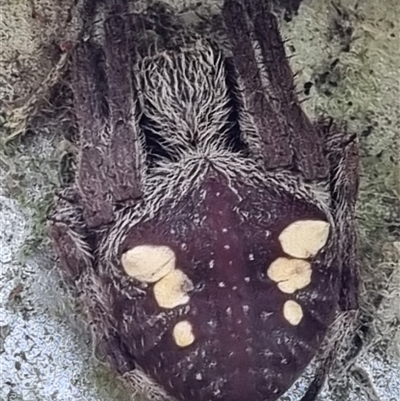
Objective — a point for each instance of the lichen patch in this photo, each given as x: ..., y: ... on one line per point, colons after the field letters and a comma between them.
x: 304, y: 238
x: 183, y: 334
x: 148, y: 263
x: 292, y: 312
x: 172, y: 290
x: 290, y: 274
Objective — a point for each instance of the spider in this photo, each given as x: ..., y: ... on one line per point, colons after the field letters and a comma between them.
x: 210, y: 227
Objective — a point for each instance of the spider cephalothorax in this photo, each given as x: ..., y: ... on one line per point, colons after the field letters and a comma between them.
x: 210, y: 227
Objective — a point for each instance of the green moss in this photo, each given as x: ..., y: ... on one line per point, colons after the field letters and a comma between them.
x: 31, y: 177
x: 109, y: 384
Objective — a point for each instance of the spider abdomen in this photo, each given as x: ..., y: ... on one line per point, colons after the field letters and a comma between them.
x: 226, y: 313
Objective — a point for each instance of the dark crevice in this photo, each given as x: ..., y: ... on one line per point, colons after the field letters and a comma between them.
x: 234, y: 138
x: 153, y: 142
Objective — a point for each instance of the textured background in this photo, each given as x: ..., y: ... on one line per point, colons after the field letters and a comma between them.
x: 347, y: 55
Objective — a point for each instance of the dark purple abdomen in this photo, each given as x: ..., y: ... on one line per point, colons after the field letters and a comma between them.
x: 244, y: 348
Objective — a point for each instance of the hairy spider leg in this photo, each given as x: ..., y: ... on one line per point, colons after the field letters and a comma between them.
x: 288, y: 137
x: 109, y: 165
